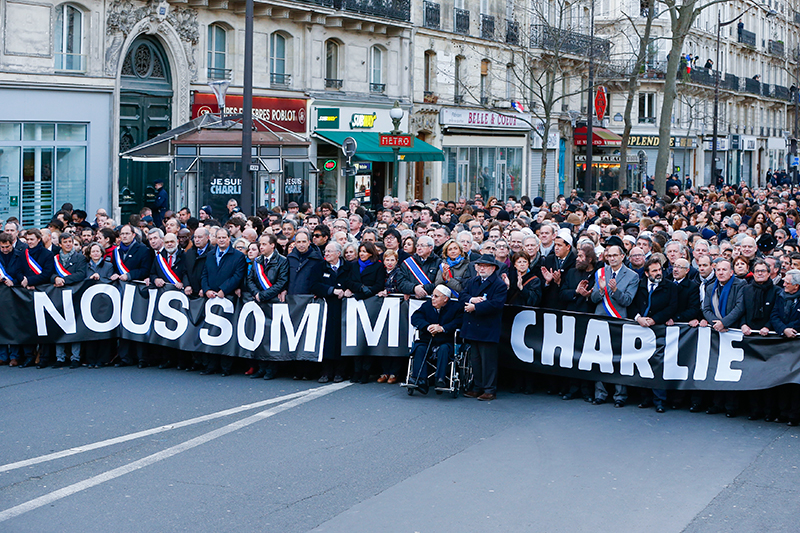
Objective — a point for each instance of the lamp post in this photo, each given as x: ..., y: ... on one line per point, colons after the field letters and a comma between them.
x: 247, y: 110
x: 396, y: 113
x: 720, y: 24
x: 587, y: 178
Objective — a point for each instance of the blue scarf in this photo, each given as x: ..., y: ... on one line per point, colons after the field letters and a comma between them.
x: 364, y: 264
x: 723, y: 297
x: 124, y: 249
x: 454, y: 262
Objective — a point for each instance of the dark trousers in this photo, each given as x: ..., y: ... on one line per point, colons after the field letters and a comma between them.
x: 442, y: 354
x: 362, y: 366
x: 483, y: 356
x: 393, y: 366
x: 217, y: 362
x: 98, y: 352
x: 128, y: 352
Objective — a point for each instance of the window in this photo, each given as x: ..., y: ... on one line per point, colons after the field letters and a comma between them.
x: 69, y: 39
x: 485, y: 65
x: 277, y: 60
x: 217, y: 38
x: 458, y: 82
x: 428, y: 75
x: 647, y: 108
x: 332, y: 80
x: 376, y: 84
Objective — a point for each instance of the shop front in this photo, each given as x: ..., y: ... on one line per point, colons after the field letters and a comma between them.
x: 486, y: 153
x: 723, y: 144
x: 373, y: 163
x: 206, y: 157
x: 749, y: 160
x: 607, y: 170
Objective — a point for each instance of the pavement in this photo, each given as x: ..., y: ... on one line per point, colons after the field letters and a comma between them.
x: 130, y: 450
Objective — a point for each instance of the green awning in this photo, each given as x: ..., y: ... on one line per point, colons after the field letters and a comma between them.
x: 369, y: 148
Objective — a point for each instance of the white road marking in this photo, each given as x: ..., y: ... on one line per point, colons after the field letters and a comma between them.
x: 54, y: 496
x: 147, y: 432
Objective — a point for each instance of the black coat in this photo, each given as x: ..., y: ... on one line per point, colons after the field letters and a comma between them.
x: 531, y: 293
x: 227, y: 276
x: 406, y: 281
x: 75, y: 265
x: 178, y: 266
x: 138, y: 260
x: 735, y: 308
x: 304, y: 271
x: 13, y: 264
x: 786, y: 313
x: 571, y: 300
x: 688, y: 301
x: 44, y: 258
x: 449, y: 317
x: 326, y: 280
x: 758, y: 304
x: 484, y: 323
x: 663, y: 301
x: 194, y: 268
x: 551, y: 297
x: 368, y: 282
x: 277, y: 272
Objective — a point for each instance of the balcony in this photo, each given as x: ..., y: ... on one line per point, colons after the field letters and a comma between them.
x: 331, y: 83
x: 390, y: 9
x: 70, y: 62
x: 377, y: 88
x: 324, y: 3
x: 781, y: 93
x: 487, y: 27
x: 700, y: 75
x: 655, y: 69
x: 775, y: 48
x: 461, y: 21
x: 569, y: 42
x: 730, y: 82
x: 432, y: 16
x: 765, y: 89
x: 747, y: 38
x: 647, y: 120
x: 512, y: 32
x: 752, y: 86
x: 280, y: 80
x: 219, y: 73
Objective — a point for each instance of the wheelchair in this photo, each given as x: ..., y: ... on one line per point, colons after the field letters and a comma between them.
x: 458, y: 378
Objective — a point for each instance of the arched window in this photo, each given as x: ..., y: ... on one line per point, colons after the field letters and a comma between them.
x: 376, y: 83
x: 69, y: 38
x: 217, y: 46
x: 332, y: 78
x: 278, y: 65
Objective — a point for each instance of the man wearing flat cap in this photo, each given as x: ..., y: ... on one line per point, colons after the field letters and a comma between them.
x: 436, y: 321
x: 483, y: 298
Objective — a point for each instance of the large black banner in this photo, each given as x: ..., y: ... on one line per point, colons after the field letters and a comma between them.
x: 597, y: 348
x: 93, y: 311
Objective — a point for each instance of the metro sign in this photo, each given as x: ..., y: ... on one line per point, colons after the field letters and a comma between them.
x: 397, y: 141
x: 601, y: 102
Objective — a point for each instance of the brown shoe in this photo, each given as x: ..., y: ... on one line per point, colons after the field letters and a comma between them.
x: 13, y: 362
x: 392, y: 380
x: 487, y: 397
x: 383, y: 378
x: 472, y: 394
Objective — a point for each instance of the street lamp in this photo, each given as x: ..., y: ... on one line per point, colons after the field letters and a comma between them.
x: 396, y: 113
x: 720, y: 24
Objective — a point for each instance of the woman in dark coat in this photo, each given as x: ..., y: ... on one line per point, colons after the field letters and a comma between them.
x: 368, y: 280
x: 99, y: 269
x: 524, y: 288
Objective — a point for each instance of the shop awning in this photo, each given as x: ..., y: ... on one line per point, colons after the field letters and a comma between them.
x: 369, y: 148
x: 600, y: 137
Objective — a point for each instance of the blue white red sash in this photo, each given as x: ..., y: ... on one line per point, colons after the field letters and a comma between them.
x: 32, y: 264
x: 415, y: 269
x: 3, y: 273
x: 169, y: 274
x: 118, y: 261
x: 609, y: 307
x: 262, y: 276
x: 60, y: 270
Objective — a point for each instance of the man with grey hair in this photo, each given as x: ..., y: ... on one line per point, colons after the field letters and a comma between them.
x: 418, y: 273
x: 464, y: 240
x: 156, y: 239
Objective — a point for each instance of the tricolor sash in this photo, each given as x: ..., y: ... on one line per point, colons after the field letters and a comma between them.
x: 60, y: 270
x: 609, y: 307
x: 415, y: 269
x: 3, y: 273
x: 261, y: 275
x: 169, y: 274
x: 118, y: 261
x: 32, y: 264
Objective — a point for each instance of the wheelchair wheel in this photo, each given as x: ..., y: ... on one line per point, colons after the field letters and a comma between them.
x: 454, y: 393
x: 410, y: 391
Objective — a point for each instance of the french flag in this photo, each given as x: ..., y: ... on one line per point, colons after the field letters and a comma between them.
x: 517, y: 106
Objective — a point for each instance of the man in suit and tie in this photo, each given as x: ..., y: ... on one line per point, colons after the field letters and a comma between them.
x: 613, y: 292
x: 555, y: 268
x: 169, y: 269
x: 655, y: 303
x: 222, y: 276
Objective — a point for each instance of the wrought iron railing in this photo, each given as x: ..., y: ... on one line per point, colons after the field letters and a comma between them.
x: 569, y: 42
x: 280, y: 80
x: 431, y: 15
x: 700, y: 75
x: 219, y: 73
x: 331, y: 83
x: 752, y: 86
x: 487, y: 27
x: 765, y: 89
x: 730, y: 82
x: 782, y: 93
x: 461, y: 21
x: 390, y: 9
x: 379, y: 88
x: 776, y: 48
x: 747, y: 37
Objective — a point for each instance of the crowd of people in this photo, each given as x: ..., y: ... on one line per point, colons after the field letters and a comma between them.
x: 708, y: 257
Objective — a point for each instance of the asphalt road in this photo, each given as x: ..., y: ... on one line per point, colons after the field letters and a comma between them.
x: 129, y: 450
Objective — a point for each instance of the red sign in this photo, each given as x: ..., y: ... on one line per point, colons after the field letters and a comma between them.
x: 397, y: 141
x: 600, y: 103
x: 289, y: 113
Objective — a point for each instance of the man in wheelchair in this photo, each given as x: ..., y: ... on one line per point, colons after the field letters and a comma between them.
x: 436, y: 322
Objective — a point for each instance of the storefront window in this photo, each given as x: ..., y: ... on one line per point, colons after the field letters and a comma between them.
x: 221, y: 181
x: 486, y: 171
x: 295, y: 182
